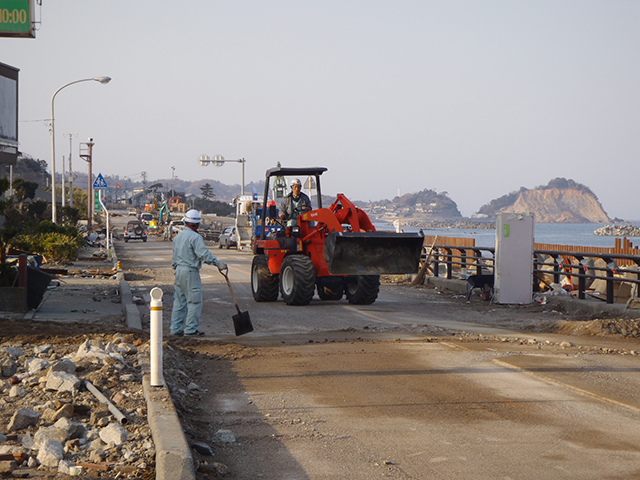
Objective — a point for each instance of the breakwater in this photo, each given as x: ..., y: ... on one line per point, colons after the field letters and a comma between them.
x: 465, y: 224
x: 618, y: 231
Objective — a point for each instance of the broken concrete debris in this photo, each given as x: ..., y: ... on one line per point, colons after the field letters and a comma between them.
x: 51, y: 422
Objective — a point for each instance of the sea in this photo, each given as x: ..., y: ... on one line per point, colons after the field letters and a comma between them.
x: 580, y: 234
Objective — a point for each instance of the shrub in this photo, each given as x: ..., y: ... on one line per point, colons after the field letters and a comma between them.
x: 53, y: 246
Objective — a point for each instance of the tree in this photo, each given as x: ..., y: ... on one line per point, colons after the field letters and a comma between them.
x: 207, y: 191
x: 24, y: 189
x: 207, y: 206
x: 7, y: 272
x: 30, y: 169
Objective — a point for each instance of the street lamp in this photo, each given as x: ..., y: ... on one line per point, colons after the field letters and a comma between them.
x: 102, y: 80
x: 218, y: 161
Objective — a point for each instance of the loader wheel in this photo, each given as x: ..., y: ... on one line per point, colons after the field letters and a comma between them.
x: 264, y: 284
x: 330, y: 288
x: 297, y: 280
x: 364, y: 290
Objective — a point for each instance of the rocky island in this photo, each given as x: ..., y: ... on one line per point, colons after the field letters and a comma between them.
x: 560, y: 201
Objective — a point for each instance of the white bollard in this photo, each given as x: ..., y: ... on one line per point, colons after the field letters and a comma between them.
x: 156, y: 338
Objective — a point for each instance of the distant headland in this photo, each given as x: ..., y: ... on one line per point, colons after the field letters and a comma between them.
x: 560, y: 201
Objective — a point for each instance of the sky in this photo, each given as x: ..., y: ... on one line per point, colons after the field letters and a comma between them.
x: 473, y: 97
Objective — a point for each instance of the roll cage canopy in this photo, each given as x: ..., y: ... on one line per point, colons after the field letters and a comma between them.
x: 294, y: 171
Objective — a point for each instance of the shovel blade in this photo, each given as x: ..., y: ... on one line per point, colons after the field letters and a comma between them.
x: 242, y: 323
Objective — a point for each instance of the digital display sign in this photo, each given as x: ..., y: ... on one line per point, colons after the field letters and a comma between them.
x: 16, y: 18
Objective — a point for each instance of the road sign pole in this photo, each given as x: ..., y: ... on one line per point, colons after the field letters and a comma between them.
x: 106, y: 213
x: 89, y: 189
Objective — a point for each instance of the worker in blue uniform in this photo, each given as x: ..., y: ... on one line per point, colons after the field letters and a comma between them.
x: 189, y: 252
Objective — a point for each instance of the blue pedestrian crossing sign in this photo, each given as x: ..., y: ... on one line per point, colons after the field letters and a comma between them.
x: 99, y: 183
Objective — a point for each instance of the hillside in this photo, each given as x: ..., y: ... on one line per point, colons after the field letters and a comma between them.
x: 561, y: 201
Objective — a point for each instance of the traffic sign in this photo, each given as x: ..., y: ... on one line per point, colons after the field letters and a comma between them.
x: 100, y: 183
x: 97, y: 205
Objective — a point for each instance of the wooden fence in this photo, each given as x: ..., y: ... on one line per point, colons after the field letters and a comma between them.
x: 450, y: 241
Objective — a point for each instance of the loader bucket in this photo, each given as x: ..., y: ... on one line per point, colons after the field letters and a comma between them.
x: 373, y: 253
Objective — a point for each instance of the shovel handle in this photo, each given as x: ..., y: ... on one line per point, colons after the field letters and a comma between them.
x: 230, y: 289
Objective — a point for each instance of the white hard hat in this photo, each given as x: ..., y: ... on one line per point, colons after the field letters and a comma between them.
x: 295, y: 181
x: 192, y: 216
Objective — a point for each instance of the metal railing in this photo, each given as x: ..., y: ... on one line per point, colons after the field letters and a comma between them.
x: 466, y: 258
x: 585, y: 271
x: 558, y: 264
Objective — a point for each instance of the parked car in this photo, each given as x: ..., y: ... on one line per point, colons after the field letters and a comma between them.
x: 136, y: 230
x: 146, y: 218
x: 228, y: 238
x: 177, y: 226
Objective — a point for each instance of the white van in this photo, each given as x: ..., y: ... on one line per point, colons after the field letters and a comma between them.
x: 146, y: 218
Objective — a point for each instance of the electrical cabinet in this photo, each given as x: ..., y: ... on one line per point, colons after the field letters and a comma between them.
x: 514, y: 258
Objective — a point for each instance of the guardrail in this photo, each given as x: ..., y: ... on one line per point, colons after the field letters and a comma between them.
x: 567, y: 265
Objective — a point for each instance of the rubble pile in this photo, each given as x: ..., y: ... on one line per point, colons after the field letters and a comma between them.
x: 53, y: 423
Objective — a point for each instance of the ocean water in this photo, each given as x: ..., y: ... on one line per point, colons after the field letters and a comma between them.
x: 560, y: 233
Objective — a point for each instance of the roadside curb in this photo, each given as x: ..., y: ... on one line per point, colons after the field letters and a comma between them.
x: 173, y: 455
x: 130, y: 310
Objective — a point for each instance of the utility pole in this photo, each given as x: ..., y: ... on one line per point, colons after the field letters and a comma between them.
x: 144, y: 191
x: 173, y: 171
x: 70, y: 171
x: 63, y: 182
x: 86, y: 155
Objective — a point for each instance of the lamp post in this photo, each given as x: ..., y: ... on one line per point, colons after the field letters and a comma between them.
x: 218, y: 161
x: 102, y: 80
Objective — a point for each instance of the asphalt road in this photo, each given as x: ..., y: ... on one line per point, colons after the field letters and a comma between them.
x: 394, y: 389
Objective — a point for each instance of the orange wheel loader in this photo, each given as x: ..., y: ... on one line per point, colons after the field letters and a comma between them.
x: 336, y: 250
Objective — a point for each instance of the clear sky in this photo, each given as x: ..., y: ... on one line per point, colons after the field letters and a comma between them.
x: 476, y: 98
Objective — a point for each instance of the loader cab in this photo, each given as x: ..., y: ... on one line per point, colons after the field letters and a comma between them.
x: 277, y: 187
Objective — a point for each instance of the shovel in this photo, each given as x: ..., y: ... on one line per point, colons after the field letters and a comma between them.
x: 241, y: 321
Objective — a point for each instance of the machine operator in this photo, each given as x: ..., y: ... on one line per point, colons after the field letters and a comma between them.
x: 294, y: 204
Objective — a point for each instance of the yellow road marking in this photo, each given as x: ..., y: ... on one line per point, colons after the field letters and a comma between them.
x: 570, y: 387
x: 371, y: 315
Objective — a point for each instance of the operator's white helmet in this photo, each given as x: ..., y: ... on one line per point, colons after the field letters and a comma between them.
x: 192, y: 216
x: 295, y: 181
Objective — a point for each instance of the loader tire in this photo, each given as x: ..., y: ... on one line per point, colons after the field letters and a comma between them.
x: 297, y: 280
x: 364, y: 290
x: 264, y: 284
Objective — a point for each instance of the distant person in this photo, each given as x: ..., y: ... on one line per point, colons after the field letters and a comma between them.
x: 295, y: 203
x: 189, y: 252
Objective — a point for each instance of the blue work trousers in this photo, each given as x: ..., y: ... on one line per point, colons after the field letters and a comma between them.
x: 187, y: 300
